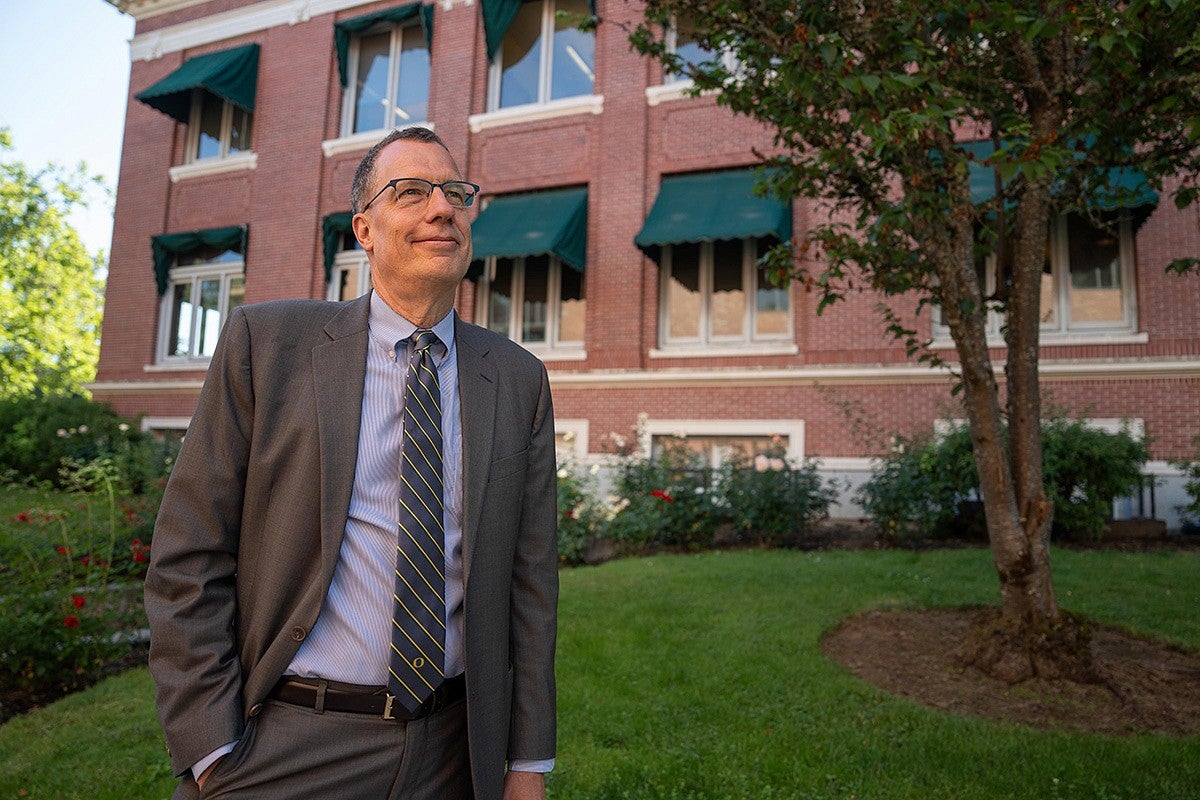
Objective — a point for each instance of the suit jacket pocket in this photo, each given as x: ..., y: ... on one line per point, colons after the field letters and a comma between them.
x: 509, y: 465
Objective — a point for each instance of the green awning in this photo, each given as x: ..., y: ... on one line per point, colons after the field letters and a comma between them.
x: 333, y: 228
x: 498, y: 15
x: 531, y: 224
x: 1120, y: 187
x: 345, y: 30
x: 712, y: 206
x: 230, y: 74
x: 169, y: 246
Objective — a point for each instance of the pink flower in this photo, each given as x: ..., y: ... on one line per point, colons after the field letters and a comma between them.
x: 78, y: 600
x: 71, y: 622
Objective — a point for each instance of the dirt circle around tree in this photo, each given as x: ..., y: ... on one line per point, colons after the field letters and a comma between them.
x: 1146, y: 686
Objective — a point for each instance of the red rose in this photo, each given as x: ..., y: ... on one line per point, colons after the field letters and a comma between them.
x: 71, y: 622
x: 62, y: 550
x: 22, y: 517
x: 661, y: 495
x: 139, y: 556
x: 78, y: 600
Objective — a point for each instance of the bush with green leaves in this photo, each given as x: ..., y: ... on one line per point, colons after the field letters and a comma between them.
x: 42, y: 436
x: 769, y: 500
x: 70, y: 585
x: 664, y: 502
x: 925, y: 487
x: 1191, y: 485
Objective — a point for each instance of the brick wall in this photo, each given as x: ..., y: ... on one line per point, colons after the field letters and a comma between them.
x: 621, y: 156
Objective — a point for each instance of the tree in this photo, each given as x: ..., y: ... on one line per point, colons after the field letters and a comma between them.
x: 871, y: 103
x: 50, y: 287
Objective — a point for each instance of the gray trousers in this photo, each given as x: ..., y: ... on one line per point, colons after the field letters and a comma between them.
x: 292, y: 753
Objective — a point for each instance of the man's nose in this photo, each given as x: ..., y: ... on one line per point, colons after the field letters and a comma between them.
x: 438, y: 205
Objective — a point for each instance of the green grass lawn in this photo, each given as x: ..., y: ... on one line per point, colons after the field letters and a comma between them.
x: 690, y: 677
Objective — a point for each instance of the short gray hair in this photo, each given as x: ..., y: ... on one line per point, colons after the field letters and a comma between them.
x: 364, y: 176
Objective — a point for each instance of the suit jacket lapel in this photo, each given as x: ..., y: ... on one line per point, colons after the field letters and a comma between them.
x: 477, y: 393
x: 339, y: 369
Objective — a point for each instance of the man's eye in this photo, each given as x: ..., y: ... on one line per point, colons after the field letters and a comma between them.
x: 412, y: 191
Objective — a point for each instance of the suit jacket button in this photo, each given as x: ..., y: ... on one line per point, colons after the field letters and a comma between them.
x: 297, y: 634
x: 254, y: 709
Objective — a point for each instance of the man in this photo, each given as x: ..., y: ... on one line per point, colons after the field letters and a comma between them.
x: 280, y: 570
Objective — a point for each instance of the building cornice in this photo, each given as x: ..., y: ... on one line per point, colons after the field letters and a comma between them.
x: 1162, y: 369
x: 865, y: 374
x: 226, y: 25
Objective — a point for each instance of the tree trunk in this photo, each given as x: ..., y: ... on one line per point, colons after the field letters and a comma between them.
x: 1028, y: 636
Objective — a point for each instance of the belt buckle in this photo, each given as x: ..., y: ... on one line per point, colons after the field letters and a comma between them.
x: 387, y: 707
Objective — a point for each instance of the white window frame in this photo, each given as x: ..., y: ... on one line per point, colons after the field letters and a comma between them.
x: 350, y: 95
x: 545, y: 73
x: 1063, y: 331
x: 749, y: 281
x: 193, y: 274
x: 193, y: 131
x: 552, y: 345
x: 791, y: 429
x: 676, y: 86
x: 343, y: 262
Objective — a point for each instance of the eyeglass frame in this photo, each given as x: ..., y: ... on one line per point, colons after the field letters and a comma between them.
x: 392, y: 185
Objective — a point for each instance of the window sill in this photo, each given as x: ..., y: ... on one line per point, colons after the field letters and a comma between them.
x: 535, y: 112
x: 672, y: 91
x: 1073, y: 339
x: 214, y: 166
x: 198, y: 365
x: 726, y: 351
x: 557, y: 353
x: 361, y: 141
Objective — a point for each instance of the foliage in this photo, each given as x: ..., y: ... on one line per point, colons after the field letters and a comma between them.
x: 71, y: 572
x: 39, y: 436
x: 924, y: 486
x: 666, y: 502
x: 769, y: 499
x: 655, y: 654
x: 579, y: 515
x: 50, y: 289
x: 871, y: 104
x: 1191, y: 474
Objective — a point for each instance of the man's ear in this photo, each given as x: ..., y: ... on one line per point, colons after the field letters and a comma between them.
x: 362, y: 231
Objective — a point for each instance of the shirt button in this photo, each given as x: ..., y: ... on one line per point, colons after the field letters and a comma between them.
x: 254, y: 709
x: 297, y: 634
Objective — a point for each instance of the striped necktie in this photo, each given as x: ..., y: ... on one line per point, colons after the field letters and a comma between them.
x: 419, y: 613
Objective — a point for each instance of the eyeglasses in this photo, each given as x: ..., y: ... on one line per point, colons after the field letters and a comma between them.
x: 416, y: 191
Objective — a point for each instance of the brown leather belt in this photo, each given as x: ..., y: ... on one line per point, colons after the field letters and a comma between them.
x: 321, y: 696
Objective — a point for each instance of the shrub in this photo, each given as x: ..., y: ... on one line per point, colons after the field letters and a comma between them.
x: 769, y: 500
x: 1191, y: 474
x: 575, y: 517
x: 924, y: 486
x: 665, y: 502
x: 71, y: 593
x: 39, y: 436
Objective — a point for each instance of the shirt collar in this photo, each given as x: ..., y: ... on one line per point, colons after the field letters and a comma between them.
x: 388, y: 328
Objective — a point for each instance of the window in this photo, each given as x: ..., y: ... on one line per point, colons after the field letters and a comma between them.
x: 712, y: 442
x: 390, y: 86
x: 204, y: 286
x: 351, y: 273
x: 543, y: 57
x: 1087, y: 281
x: 218, y: 128
x: 714, y: 293
x: 534, y: 300
x: 682, y: 39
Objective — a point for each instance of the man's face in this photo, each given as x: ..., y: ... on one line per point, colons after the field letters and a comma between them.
x: 418, y: 249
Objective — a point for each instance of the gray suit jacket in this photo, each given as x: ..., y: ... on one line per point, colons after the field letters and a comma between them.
x: 253, y: 517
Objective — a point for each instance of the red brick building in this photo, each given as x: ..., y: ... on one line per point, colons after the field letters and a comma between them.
x: 618, y: 234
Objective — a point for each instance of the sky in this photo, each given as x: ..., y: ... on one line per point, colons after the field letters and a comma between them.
x: 64, y: 75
